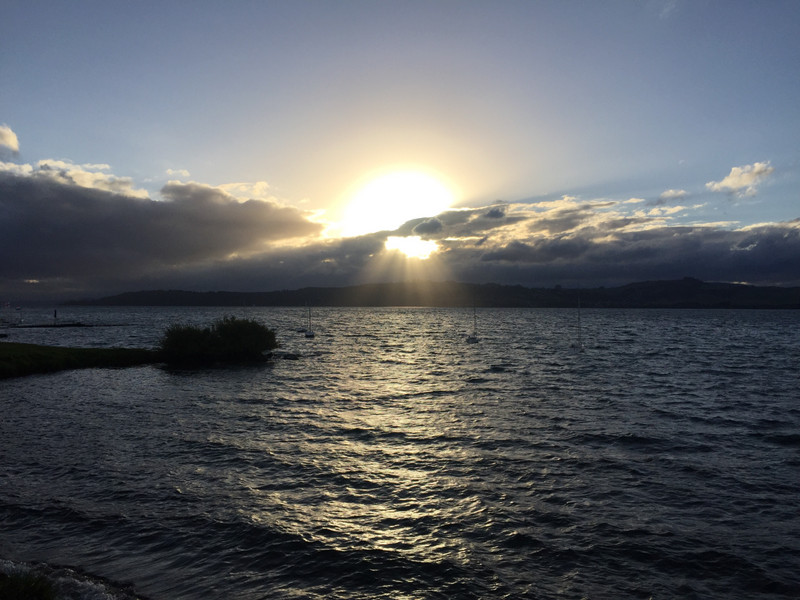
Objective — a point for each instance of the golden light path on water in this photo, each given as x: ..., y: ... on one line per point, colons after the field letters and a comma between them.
x: 391, y: 460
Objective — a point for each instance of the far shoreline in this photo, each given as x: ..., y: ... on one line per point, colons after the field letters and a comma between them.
x: 687, y: 293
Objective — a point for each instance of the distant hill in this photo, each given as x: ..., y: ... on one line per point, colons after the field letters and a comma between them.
x: 683, y: 293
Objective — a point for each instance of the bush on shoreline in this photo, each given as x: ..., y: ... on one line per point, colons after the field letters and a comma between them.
x: 227, y: 340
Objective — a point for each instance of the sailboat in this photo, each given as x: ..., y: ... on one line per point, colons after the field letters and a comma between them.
x: 473, y: 339
x: 309, y: 333
x: 578, y: 346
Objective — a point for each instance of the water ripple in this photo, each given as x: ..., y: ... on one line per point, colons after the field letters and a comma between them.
x: 392, y: 460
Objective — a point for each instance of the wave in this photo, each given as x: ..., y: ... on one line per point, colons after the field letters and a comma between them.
x: 70, y: 583
x: 659, y: 463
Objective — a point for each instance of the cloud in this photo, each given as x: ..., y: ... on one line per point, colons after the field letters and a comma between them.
x: 496, y: 212
x: 591, y: 257
x: 570, y: 241
x: 470, y: 223
x: 766, y: 255
x: 249, y: 190
x: 8, y: 139
x: 79, y: 230
x: 428, y: 226
x: 660, y: 211
x: 91, y: 176
x: 178, y: 173
x: 325, y: 262
x: 743, y: 180
x: 666, y: 8
x: 673, y: 194
x: 62, y: 228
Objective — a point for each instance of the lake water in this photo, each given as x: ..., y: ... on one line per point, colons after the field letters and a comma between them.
x: 394, y: 461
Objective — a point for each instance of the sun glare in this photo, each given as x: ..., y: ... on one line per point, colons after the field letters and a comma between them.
x: 387, y: 201
x: 412, y: 246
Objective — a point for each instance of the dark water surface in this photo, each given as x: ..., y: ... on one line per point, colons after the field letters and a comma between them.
x: 392, y: 460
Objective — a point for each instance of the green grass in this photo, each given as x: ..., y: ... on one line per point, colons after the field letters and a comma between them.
x: 18, y: 359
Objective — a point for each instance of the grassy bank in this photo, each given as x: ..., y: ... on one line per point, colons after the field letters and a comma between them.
x: 18, y: 359
x: 226, y: 341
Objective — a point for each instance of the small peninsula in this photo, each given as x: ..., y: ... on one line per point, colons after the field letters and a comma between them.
x: 228, y: 340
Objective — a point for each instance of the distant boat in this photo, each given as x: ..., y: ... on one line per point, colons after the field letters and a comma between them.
x: 309, y: 333
x: 578, y: 346
x: 473, y: 339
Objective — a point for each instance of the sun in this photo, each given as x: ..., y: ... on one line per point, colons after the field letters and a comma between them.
x: 412, y: 246
x: 389, y: 199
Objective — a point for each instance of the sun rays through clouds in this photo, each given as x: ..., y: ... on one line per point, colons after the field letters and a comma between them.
x: 394, y: 142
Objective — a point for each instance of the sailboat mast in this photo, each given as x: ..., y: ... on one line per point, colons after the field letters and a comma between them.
x: 473, y: 339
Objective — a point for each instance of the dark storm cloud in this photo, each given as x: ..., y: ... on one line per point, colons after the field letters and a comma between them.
x: 460, y: 223
x: 622, y: 223
x: 81, y: 241
x: 496, y: 212
x: 563, y: 220
x: 322, y: 263
x: 428, y: 226
x: 604, y: 243
x: 540, y: 251
x: 769, y: 254
x: 764, y: 255
x: 58, y: 230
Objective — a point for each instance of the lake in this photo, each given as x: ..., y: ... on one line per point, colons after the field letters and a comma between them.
x: 393, y: 460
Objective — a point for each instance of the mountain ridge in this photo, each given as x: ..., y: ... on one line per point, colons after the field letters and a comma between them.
x: 682, y: 293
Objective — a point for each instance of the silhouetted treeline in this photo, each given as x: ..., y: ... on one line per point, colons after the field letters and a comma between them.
x: 684, y: 293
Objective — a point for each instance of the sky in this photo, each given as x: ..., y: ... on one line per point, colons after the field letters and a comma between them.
x: 266, y: 145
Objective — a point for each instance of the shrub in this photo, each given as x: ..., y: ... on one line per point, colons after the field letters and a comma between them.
x: 227, y: 340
